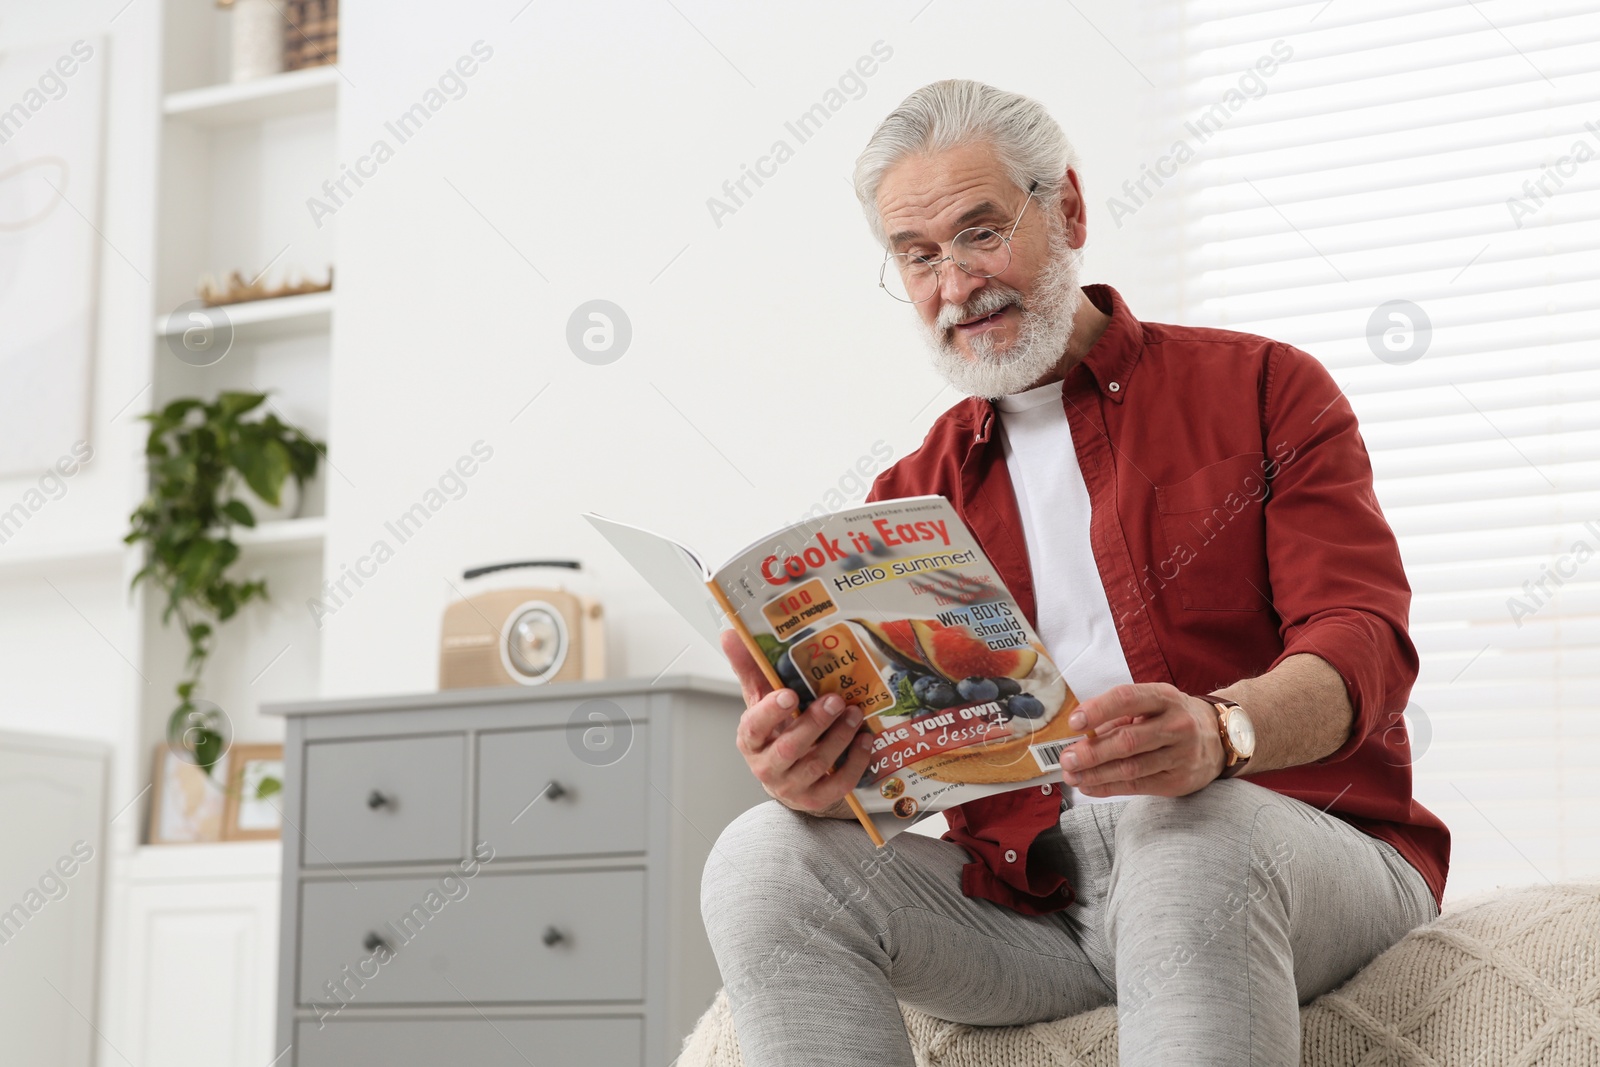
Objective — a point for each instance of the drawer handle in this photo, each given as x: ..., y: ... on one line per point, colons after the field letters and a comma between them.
x: 374, y: 942
x: 555, y: 790
x: 376, y: 800
x: 552, y: 936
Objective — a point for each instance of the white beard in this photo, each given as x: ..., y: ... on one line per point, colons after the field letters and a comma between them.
x: 1041, y: 340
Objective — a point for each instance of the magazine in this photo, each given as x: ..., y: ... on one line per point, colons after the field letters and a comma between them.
x: 893, y: 606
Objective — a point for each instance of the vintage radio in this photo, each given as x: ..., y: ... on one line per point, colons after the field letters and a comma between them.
x: 521, y: 635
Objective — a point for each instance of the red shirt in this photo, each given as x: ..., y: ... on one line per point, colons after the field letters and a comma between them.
x: 1234, y: 525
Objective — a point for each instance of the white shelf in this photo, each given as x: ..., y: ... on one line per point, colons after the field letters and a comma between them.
x: 208, y: 861
x: 267, y: 320
x: 283, y: 535
x: 299, y: 92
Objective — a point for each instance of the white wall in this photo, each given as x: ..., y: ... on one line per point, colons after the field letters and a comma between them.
x: 587, y: 145
x: 577, y: 165
x: 68, y: 643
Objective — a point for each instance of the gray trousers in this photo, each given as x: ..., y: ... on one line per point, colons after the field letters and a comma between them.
x: 1207, y: 919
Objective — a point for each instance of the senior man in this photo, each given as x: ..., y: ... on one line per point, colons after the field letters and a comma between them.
x: 1186, y: 515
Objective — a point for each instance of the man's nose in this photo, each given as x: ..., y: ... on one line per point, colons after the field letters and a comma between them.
x: 956, y: 286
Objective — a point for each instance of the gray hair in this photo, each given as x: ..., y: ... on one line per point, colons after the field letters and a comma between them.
x: 1029, y: 143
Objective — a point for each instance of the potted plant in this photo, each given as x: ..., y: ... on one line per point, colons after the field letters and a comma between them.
x: 203, y: 457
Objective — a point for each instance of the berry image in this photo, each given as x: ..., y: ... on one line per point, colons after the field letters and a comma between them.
x: 1008, y: 686
x: 934, y: 692
x: 976, y: 689
x: 794, y: 679
x: 1024, y: 706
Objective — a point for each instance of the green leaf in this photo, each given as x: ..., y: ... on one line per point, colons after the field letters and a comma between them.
x: 174, y: 412
x: 178, y: 720
x: 230, y: 405
x: 239, y: 513
x: 304, y: 454
x: 193, y: 564
x: 264, y: 462
x: 269, y: 786
x: 208, y: 748
x: 906, y: 702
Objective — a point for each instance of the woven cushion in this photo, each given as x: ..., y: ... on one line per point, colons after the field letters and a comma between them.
x: 1512, y: 978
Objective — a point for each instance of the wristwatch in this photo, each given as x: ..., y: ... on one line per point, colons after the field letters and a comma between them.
x: 1238, y: 735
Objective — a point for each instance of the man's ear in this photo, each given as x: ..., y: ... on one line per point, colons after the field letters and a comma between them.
x: 1073, y: 206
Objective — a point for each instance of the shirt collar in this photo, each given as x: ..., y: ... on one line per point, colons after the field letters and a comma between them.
x: 1109, y: 361
x: 1114, y: 354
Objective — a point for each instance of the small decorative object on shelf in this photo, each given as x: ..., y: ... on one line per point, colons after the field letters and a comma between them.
x: 255, y: 779
x: 202, y: 456
x: 235, y: 290
x: 186, y: 803
x: 257, y: 38
x: 311, y: 36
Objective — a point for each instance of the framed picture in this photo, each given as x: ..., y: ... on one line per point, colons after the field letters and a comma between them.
x: 186, y: 804
x: 254, y: 809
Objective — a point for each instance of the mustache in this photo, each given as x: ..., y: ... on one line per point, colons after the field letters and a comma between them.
x: 986, y: 301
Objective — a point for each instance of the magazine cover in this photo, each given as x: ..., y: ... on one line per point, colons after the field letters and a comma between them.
x: 894, y: 607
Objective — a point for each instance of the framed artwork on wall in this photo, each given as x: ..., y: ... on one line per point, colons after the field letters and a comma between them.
x: 50, y: 144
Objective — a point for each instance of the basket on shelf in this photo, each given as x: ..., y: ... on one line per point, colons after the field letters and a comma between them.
x: 311, y: 33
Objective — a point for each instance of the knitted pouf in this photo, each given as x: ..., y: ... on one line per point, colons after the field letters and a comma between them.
x: 1508, y: 979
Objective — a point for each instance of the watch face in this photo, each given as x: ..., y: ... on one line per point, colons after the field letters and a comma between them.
x: 1241, y: 734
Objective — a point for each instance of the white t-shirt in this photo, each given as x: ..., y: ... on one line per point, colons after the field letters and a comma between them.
x: 1074, y: 617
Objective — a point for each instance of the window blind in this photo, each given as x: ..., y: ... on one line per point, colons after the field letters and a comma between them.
x: 1413, y: 196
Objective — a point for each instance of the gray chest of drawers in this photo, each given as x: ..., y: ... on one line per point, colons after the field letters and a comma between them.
x: 503, y: 877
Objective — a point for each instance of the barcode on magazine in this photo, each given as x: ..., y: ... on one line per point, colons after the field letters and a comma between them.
x: 1048, y: 753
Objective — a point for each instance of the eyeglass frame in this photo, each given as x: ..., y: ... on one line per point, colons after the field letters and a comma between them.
x: 934, y: 264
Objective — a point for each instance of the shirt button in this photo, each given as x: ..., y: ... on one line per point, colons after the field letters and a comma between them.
x: 1011, y: 855
x: 1045, y: 789
x: 1115, y: 387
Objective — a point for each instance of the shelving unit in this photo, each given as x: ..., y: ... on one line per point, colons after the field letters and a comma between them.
x: 237, y: 161
x: 196, y: 925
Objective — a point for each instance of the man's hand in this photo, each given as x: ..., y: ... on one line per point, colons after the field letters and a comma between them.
x: 793, y: 753
x: 1150, y: 739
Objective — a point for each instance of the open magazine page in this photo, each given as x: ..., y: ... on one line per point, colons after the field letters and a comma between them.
x: 671, y: 569
x: 895, y: 607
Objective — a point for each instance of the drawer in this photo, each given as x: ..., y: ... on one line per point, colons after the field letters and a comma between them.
x: 542, y: 793
x: 391, y: 801
x: 587, y: 1042
x: 452, y: 940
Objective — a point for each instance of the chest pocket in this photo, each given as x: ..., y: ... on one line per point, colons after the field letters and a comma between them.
x: 1215, y: 533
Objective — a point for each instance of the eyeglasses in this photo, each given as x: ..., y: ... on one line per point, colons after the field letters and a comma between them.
x: 977, y: 250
